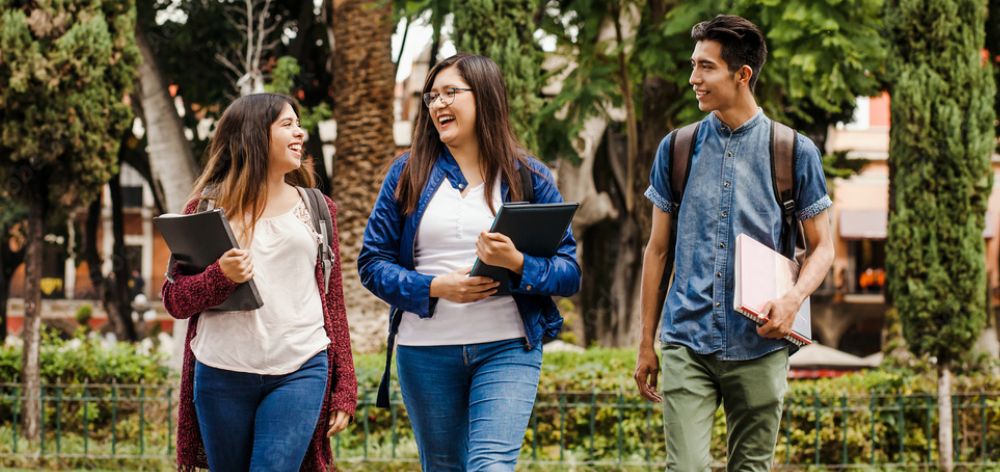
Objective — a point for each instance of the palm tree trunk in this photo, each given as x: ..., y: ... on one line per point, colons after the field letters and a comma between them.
x: 362, y: 62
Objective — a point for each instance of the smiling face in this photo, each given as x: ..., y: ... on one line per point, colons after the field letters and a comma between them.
x: 714, y: 85
x: 455, y: 123
x: 285, y: 150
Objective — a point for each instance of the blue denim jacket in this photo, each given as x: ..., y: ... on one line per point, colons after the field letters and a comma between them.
x: 729, y: 192
x: 386, y: 263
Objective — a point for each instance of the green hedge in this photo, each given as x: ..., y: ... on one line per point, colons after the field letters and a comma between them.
x: 587, y: 411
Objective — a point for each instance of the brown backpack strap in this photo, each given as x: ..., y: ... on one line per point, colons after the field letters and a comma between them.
x: 681, y: 151
x: 783, y: 181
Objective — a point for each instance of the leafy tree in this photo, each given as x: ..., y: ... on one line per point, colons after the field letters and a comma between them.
x: 504, y: 31
x: 66, y: 69
x: 822, y: 54
x: 940, y: 146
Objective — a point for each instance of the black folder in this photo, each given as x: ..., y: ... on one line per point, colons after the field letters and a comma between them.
x: 536, y: 229
x: 199, y: 239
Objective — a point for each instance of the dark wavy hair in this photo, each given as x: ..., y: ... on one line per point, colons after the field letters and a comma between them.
x: 498, y: 148
x: 236, y: 173
x: 742, y: 42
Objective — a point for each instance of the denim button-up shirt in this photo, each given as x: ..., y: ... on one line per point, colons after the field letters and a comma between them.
x: 729, y: 192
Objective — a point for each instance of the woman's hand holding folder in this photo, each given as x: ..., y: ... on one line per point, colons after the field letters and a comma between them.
x: 237, y: 265
x: 497, y: 250
x: 458, y: 287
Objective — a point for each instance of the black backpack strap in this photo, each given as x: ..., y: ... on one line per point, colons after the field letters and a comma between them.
x: 783, y: 182
x: 382, y: 399
x: 319, y: 212
x: 527, y: 185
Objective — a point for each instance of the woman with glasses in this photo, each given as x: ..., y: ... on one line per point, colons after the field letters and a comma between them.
x: 468, y: 362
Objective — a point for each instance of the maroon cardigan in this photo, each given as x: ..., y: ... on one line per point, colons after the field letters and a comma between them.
x: 189, y: 295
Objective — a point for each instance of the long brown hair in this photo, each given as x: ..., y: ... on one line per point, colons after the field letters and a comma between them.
x: 498, y: 148
x: 235, y: 176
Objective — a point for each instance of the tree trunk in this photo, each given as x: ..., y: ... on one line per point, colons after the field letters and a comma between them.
x: 945, y: 450
x: 30, y: 369
x: 364, y: 133
x: 117, y: 301
x: 171, y: 160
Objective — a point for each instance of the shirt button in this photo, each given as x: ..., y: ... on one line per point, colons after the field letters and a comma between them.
x: 528, y: 288
x: 718, y: 304
x: 725, y: 184
x: 725, y: 214
x: 729, y: 154
x: 461, y: 185
x: 722, y: 245
x: 718, y: 275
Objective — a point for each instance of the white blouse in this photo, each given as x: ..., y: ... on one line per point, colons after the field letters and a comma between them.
x: 287, y: 330
x: 446, y: 241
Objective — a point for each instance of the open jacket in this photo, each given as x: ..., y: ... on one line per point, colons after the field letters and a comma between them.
x: 189, y: 295
x: 386, y: 263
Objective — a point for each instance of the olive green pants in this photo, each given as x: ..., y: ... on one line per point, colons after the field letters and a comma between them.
x: 751, y: 394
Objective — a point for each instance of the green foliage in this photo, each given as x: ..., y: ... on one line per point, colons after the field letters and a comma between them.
x: 84, y: 314
x: 504, y: 31
x: 587, y: 403
x: 941, y: 141
x: 822, y: 54
x: 283, y: 78
x: 66, y: 69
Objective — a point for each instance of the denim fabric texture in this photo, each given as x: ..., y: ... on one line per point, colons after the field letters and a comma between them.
x: 258, y: 422
x: 469, y: 404
x: 729, y: 192
x: 386, y: 261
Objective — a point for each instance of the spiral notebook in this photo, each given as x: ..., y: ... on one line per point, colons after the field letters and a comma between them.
x: 762, y: 275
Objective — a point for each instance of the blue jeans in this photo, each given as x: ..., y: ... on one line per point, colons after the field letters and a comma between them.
x: 258, y: 422
x: 469, y: 404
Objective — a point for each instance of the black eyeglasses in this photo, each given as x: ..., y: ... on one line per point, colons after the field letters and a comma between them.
x: 447, y: 98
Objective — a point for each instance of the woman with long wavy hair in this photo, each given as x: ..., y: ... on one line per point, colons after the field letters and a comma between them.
x: 468, y: 361
x: 261, y: 389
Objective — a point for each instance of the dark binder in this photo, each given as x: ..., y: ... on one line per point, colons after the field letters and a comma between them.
x: 536, y: 229
x: 199, y: 239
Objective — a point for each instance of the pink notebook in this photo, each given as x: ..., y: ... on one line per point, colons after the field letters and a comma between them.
x: 763, y: 275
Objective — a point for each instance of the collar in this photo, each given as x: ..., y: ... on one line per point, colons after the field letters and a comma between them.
x: 722, y: 128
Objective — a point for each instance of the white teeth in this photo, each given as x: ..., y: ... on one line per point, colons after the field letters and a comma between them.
x: 295, y: 147
x: 446, y: 119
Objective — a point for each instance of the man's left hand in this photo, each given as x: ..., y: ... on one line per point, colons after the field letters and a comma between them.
x: 498, y: 250
x: 781, y: 316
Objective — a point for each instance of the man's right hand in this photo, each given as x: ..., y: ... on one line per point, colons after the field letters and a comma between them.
x: 647, y: 370
x: 458, y: 287
x: 236, y: 265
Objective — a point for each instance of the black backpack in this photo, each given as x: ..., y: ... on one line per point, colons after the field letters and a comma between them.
x: 396, y: 315
x: 783, y: 147
x: 322, y: 223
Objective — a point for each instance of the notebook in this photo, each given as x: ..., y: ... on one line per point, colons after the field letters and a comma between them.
x: 762, y: 275
x: 535, y: 228
x: 199, y: 239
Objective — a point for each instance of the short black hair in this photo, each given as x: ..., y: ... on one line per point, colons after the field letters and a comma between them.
x: 742, y: 42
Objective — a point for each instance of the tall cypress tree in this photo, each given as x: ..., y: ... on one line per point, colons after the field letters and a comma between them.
x: 504, y: 31
x: 941, y: 140
x: 66, y: 68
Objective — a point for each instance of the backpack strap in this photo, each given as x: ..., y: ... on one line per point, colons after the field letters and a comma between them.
x: 319, y: 212
x: 527, y: 185
x: 783, y: 181
x: 681, y: 152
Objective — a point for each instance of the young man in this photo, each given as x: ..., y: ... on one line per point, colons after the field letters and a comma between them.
x: 711, y: 353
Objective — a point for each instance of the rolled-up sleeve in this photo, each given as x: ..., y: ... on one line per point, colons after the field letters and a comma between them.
x: 659, y: 191
x: 812, y: 197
